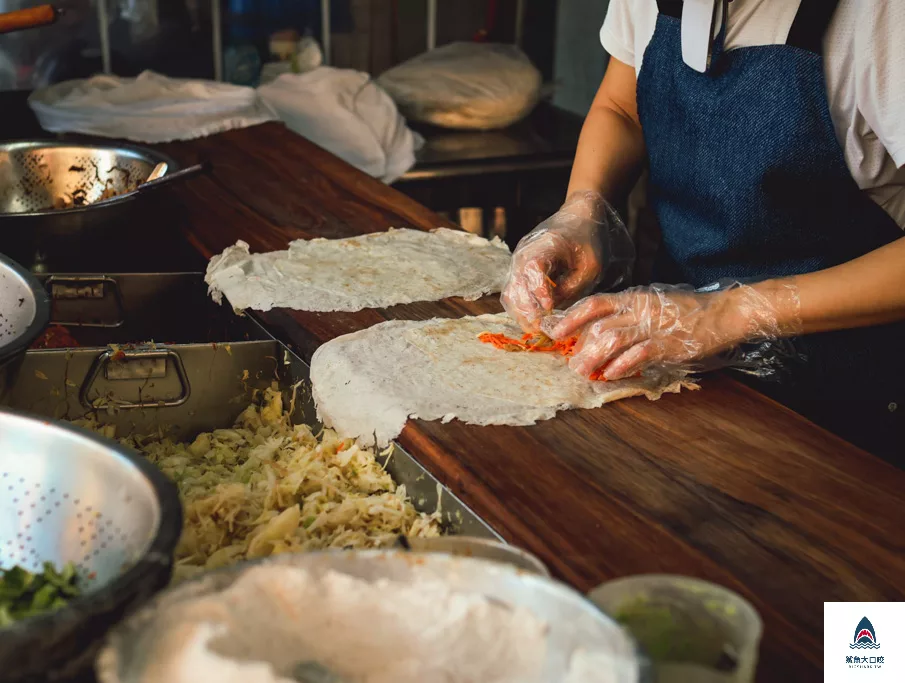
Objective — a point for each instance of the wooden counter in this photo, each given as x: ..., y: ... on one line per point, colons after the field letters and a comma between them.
x: 720, y: 483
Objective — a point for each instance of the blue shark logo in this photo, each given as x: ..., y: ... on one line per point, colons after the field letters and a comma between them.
x: 865, y: 636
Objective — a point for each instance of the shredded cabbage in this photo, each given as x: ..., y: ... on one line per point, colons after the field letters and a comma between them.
x: 266, y: 486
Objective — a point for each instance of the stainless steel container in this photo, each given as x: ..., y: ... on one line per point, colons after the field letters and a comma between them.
x: 24, y: 313
x: 573, y: 622
x: 187, y: 389
x: 131, y: 308
x: 191, y: 388
x: 70, y: 496
x: 36, y: 175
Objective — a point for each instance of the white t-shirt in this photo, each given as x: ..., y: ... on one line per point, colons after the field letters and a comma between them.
x: 864, y: 61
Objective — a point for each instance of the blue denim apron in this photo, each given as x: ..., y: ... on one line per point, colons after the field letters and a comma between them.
x: 748, y: 180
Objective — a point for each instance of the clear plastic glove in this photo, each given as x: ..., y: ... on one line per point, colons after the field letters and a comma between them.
x: 565, y: 257
x: 676, y: 326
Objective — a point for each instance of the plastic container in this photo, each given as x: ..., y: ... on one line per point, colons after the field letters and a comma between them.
x: 692, y: 630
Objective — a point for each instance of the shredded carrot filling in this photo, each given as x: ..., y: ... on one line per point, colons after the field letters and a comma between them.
x: 539, y: 342
x: 529, y: 342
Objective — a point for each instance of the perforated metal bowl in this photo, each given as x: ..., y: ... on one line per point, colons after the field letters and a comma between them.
x: 34, y: 175
x: 67, y: 495
x: 24, y: 313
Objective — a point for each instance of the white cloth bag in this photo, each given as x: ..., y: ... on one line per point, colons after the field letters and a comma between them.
x: 150, y: 108
x: 348, y: 114
x: 478, y: 86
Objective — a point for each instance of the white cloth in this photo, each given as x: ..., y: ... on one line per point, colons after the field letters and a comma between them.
x: 479, y: 86
x: 348, y: 114
x: 150, y: 108
x: 864, y: 66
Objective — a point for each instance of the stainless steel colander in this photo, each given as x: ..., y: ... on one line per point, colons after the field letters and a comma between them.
x: 69, y: 496
x: 36, y: 175
x: 24, y: 313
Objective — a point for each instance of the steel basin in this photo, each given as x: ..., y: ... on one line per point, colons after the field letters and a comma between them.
x: 35, y: 174
x: 574, y: 623
x: 24, y: 313
x: 71, y: 496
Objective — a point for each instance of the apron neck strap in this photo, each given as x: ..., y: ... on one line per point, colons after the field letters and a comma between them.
x: 671, y: 8
x: 810, y: 25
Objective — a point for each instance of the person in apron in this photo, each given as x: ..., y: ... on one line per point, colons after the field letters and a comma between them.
x: 776, y: 258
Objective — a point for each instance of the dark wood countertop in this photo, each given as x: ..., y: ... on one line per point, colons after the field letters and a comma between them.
x: 720, y: 483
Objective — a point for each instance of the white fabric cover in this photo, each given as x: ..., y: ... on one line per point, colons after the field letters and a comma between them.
x: 150, y: 108
x: 348, y: 114
x: 478, y: 86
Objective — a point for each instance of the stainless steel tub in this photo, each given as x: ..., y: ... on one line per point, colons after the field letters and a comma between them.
x: 191, y: 388
x: 36, y: 174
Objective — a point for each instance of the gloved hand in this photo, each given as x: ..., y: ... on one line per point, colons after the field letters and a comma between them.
x: 674, y: 326
x: 565, y: 257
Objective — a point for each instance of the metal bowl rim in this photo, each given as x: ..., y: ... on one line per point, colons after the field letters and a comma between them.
x: 172, y: 165
x: 159, y: 552
x: 42, y: 311
x: 233, y: 571
x: 493, y: 544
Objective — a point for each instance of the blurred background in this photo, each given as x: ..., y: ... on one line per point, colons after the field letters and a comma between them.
x: 496, y: 182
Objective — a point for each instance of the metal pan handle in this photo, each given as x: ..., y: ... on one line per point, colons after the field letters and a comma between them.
x: 88, y: 288
x: 112, y: 358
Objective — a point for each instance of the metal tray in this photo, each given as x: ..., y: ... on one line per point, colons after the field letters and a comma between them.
x: 190, y: 388
x: 169, y: 308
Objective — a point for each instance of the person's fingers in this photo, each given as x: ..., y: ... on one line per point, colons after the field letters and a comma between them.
x: 671, y: 350
x: 538, y: 283
x: 594, y: 329
x: 526, y: 295
x: 601, y: 347
x: 549, y: 323
x: 585, y: 311
x: 574, y: 283
x: 632, y: 361
x: 522, y: 307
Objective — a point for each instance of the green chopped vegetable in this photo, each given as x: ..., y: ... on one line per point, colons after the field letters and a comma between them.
x: 24, y: 594
x: 671, y: 634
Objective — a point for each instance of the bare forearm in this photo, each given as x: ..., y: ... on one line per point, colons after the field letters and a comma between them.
x: 611, y: 147
x: 609, y: 156
x: 869, y: 290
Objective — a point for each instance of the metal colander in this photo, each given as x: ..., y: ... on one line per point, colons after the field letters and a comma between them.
x: 24, y: 313
x: 24, y: 307
x: 35, y: 175
x: 67, y: 495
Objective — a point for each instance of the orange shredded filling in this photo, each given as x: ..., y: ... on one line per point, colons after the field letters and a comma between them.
x: 539, y: 342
